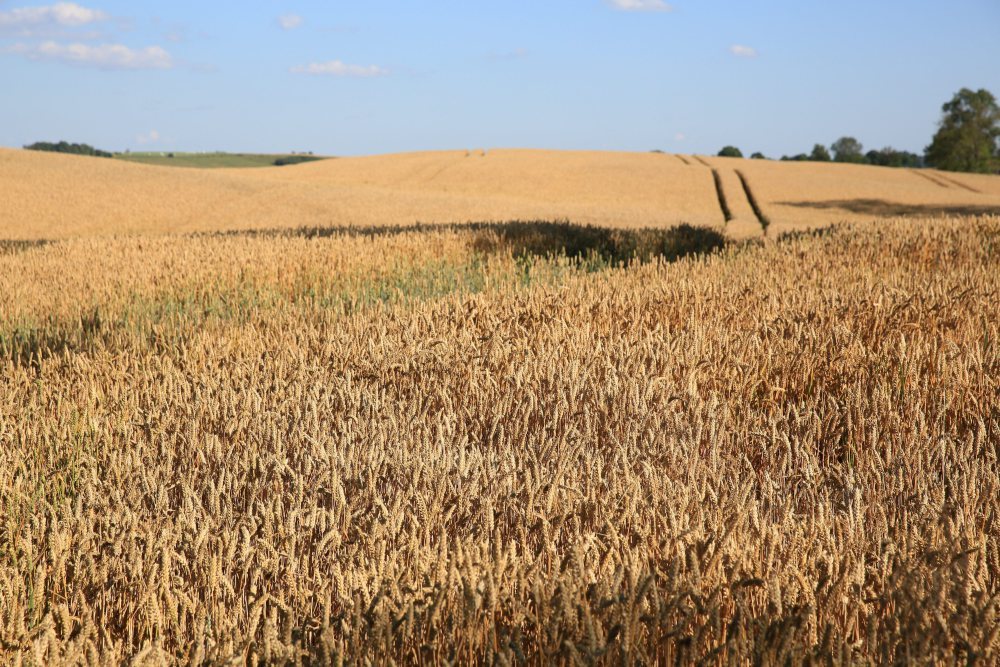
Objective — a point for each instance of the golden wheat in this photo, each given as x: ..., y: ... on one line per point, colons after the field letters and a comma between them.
x: 426, y: 446
x: 52, y: 196
x: 56, y: 196
x: 797, y: 196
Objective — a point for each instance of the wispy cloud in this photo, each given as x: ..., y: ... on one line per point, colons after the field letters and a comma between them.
x: 290, y: 21
x: 640, y: 5
x: 741, y: 51
x: 150, y: 137
x: 102, y: 56
x: 62, y: 32
x: 27, y: 21
x: 339, y: 68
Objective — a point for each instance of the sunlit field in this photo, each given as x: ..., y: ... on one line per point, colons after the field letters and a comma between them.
x: 498, y: 441
x: 53, y: 196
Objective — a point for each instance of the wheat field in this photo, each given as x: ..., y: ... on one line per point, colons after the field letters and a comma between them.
x: 806, y: 195
x: 57, y: 196
x: 52, y: 196
x: 297, y: 443
x: 386, y: 410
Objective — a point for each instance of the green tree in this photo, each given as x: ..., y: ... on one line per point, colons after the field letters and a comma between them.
x: 968, y: 136
x: 820, y: 154
x: 890, y: 157
x: 848, y: 149
x: 66, y: 147
x: 758, y: 156
x: 730, y: 151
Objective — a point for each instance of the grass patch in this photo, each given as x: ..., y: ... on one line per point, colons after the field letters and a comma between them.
x: 215, y: 160
x: 504, y: 255
x: 164, y: 322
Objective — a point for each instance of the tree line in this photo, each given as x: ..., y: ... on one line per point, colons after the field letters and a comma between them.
x: 967, y: 139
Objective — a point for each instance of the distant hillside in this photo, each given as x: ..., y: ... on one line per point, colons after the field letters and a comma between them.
x: 216, y: 160
x: 51, y: 196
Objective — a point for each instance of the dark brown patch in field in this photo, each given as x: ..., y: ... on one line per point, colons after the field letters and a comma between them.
x: 887, y: 209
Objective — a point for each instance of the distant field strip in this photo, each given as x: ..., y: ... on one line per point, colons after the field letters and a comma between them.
x: 721, y: 193
x: 53, y: 196
x: 216, y: 160
x: 764, y: 221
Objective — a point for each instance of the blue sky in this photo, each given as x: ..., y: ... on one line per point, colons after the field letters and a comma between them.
x: 354, y: 77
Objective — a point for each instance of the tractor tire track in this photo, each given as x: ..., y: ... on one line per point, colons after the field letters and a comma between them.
x: 955, y: 181
x: 932, y: 179
x: 752, y: 200
x: 721, y: 194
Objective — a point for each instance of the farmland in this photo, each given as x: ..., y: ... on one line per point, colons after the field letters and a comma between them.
x: 623, y: 190
x: 218, y: 160
x: 392, y: 407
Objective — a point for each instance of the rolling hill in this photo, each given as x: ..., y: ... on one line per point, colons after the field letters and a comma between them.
x: 53, y: 196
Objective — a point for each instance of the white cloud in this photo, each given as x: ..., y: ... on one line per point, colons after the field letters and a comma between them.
x: 104, y: 56
x: 290, y: 21
x: 338, y: 68
x: 741, y: 51
x: 27, y: 20
x: 640, y: 5
x: 680, y: 136
x: 150, y: 138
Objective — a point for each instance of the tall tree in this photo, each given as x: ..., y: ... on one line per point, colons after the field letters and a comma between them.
x: 847, y: 149
x: 820, y: 154
x: 968, y: 137
x: 730, y: 151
